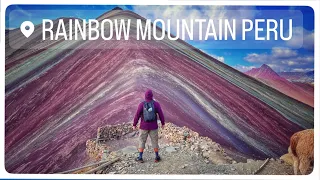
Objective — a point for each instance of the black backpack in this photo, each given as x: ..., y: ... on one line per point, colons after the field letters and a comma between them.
x: 149, y: 113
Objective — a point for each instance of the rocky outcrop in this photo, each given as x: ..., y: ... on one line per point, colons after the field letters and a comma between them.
x: 181, y: 137
x: 198, y: 144
x: 113, y: 132
x: 96, y: 147
x: 94, y: 150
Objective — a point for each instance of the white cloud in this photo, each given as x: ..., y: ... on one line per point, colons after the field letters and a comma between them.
x: 301, y: 38
x: 281, y: 59
x: 219, y: 58
x: 302, y: 70
x: 243, y: 68
x: 257, y: 58
x: 308, y: 41
x: 279, y: 52
x: 290, y: 63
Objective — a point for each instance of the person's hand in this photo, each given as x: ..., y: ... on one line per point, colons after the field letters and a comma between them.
x: 162, y: 126
x: 134, y: 127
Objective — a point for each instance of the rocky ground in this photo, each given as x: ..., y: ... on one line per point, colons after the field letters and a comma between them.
x: 183, y: 152
x: 181, y: 160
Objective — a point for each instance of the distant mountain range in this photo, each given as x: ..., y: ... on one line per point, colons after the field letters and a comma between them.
x: 302, y: 77
x: 295, y: 85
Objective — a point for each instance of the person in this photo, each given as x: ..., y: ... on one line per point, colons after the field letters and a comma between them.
x: 147, y: 112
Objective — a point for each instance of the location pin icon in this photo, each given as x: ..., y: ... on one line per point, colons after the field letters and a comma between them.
x: 27, y: 28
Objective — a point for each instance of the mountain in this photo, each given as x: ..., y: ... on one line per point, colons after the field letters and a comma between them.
x: 264, y: 72
x: 59, y: 92
x: 302, y: 77
x: 300, y: 92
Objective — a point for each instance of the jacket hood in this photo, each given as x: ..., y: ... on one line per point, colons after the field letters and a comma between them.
x: 148, y: 95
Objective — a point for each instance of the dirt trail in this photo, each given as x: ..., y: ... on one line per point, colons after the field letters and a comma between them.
x: 184, y: 161
x: 183, y: 158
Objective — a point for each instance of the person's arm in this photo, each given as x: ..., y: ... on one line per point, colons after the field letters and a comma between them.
x: 138, y: 114
x: 160, y: 113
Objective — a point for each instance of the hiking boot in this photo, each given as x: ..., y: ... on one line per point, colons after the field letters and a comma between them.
x: 157, y: 159
x: 139, y: 159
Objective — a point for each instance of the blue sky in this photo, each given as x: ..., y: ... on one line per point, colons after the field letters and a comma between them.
x: 294, y: 55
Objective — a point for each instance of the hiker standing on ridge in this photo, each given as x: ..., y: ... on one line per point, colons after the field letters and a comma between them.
x: 148, y: 111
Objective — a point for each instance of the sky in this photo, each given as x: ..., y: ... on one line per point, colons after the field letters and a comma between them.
x: 295, y: 55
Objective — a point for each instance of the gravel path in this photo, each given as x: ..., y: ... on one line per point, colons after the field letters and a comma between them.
x: 185, y: 161
x: 195, y: 155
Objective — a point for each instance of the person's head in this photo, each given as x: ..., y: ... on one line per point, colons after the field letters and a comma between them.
x: 148, y: 95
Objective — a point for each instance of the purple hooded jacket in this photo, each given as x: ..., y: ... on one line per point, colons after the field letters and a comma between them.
x: 148, y: 125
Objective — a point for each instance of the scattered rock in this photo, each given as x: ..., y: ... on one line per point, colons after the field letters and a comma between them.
x: 234, y: 162
x: 170, y: 149
x: 250, y: 160
x: 204, y: 146
x: 207, y: 156
x: 215, y: 157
